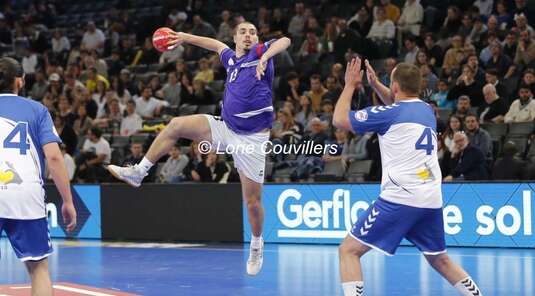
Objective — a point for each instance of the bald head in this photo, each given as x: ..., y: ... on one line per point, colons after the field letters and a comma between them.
x: 489, y: 91
x: 461, y: 140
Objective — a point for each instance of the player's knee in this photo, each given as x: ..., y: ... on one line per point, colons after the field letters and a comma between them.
x: 253, y: 203
x: 440, y: 262
x: 176, y: 124
x: 348, y: 249
x: 37, y: 267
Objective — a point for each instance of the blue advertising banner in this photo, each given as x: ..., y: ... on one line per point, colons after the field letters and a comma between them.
x: 475, y: 214
x: 87, y: 203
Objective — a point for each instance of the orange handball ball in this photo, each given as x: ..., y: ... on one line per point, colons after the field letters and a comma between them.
x: 160, y: 39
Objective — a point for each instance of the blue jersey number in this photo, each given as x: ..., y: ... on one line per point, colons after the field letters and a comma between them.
x: 20, y: 129
x: 426, y: 137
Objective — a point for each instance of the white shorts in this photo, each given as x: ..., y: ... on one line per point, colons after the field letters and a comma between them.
x: 248, y: 151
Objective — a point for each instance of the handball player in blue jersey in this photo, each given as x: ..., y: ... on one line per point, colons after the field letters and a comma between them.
x: 247, y: 115
x: 28, y: 141
x: 410, y: 203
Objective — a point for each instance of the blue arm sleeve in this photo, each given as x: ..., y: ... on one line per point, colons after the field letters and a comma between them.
x: 46, y: 131
x: 373, y: 119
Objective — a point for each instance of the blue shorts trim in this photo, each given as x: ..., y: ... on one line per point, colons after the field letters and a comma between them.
x: 30, y: 239
x: 384, y: 225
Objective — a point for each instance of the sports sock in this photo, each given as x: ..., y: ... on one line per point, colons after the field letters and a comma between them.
x: 256, y: 241
x: 145, y: 164
x: 353, y: 288
x: 468, y: 287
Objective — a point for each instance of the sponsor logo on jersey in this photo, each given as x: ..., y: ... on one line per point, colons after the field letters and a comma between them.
x: 361, y: 115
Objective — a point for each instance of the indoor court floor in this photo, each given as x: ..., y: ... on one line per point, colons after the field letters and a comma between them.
x: 105, y: 269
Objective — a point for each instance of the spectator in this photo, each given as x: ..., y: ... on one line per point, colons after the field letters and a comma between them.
x: 54, y: 84
x: 66, y: 134
x: 412, y: 16
x: 147, y: 106
x: 491, y: 77
x: 451, y: 60
x: 224, y: 33
x: 205, y: 73
x: 485, y: 7
x: 528, y: 78
x: 297, y: 23
x: 287, y: 131
x: 509, y: 167
x: 392, y: 11
x: 316, y: 92
x: 357, y: 147
x: 467, y: 85
x: 172, y: 170
x: 453, y: 21
x: 100, y: 98
x: 93, y: 78
x: 468, y: 160
x: 122, y: 93
x: 310, y: 50
x: 29, y: 61
x: 211, y: 170
x: 132, y: 122
x: 113, y: 116
x: 310, y: 163
x: 361, y: 22
x: 441, y: 95
x: 170, y: 56
x: 83, y: 122
x: 347, y: 40
x: 333, y: 89
x: 455, y: 124
x: 429, y: 76
x: 87, y: 100
x: 525, y: 51
x: 338, y: 147
x: 495, y: 107
x: 93, y: 38
x: 136, y: 154
x: 171, y: 90
x: 382, y: 33
x: 441, y: 125
x: 39, y: 87
x: 434, y: 51
x: 65, y: 110
x: 523, y: 108
x: 115, y: 63
x: 478, y: 137
x: 305, y: 112
x: 71, y: 83
x: 327, y: 110
x: 148, y: 55
x: 60, y: 43
x: 498, y: 60
x: 96, y: 153
x: 509, y: 45
x: 69, y: 163
x: 411, y: 50
x: 467, y: 26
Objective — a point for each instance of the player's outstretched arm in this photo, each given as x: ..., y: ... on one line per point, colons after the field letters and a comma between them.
x: 200, y: 41
x: 382, y: 91
x: 353, y: 79
x: 59, y: 174
x: 275, y: 48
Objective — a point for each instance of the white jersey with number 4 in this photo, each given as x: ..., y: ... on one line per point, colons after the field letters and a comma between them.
x: 25, y: 127
x: 408, y: 142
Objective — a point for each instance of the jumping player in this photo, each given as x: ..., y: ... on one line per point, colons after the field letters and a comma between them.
x: 410, y: 203
x: 246, y: 118
x: 27, y: 139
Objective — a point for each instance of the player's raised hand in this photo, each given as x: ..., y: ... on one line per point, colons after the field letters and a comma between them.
x: 69, y: 215
x: 175, y: 39
x: 261, y: 68
x: 370, y: 73
x: 353, y: 76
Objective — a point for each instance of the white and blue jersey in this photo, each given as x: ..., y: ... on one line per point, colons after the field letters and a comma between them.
x: 410, y: 203
x: 247, y: 101
x: 408, y: 143
x: 25, y: 127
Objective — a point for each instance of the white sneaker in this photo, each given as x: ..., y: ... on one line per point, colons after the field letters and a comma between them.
x: 131, y: 175
x: 256, y: 258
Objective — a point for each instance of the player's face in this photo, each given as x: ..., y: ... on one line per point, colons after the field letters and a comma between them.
x: 245, y: 37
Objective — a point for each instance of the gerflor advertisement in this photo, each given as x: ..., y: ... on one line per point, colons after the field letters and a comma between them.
x: 475, y: 214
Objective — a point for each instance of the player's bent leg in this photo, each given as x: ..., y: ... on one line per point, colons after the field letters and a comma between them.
x: 349, y: 253
x: 192, y: 127
x: 41, y: 284
x: 252, y: 195
x: 454, y: 274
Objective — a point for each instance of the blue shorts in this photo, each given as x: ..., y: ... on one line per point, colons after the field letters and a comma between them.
x: 385, y: 224
x: 29, y: 238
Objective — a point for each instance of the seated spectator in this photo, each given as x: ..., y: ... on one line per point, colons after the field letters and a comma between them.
x: 311, y: 48
x: 111, y: 121
x: 491, y: 77
x: 525, y: 51
x: 39, y: 87
x: 441, y: 125
x: 382, y: 33
x: 69, y: 163
x: 170, y: 56
x: 451, y: 62
x: 93, y: 38
x: 65, y: 110
x: 523, y: 108
x: 205, y: 73
x: 201, y: 95
x: 495, y: 107
x: 211, y: 170
x: 463, y: 107
x: 148, y: 55
x: 498, y: 60
x: 83, y: 122
x: 357, y: 147
x: 122, y: 93
x: 93, y: 78
x: 115, y: 63
x: 101, y: 98
x: 338, y: 147
x: 412, y: 16
x: 87, y: 100
x: 327, y: 111
x: 171, y: 90
x: 478, y: 137
x: 455, y: 124
x: 333, y: 89
x: 96, y: 153
x: 468, y: 162
x: 410, y: 50
x: 66, y: 134
x: 71, y: 83
x: 441, y: 95
x: 132, y: 122
x: 305, y: 112
x: 147, y: 106
x: 287, y: 131
x: 172, y: 170
x: 467, y: 85
x: 310, y: 163
x: 135, y: 156
x: 509, y: 167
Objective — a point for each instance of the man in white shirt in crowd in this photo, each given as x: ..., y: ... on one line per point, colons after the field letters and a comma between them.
x: 29, y: 61
x: 69, y: 163
x: 132, y: 122
x: 93, y: 38
x: 95, y: 153
x: 382, y: 33
x: 411, y: 17
x: 148, y: 106
x: 523, y: 108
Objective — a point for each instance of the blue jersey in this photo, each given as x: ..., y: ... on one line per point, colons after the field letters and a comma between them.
x: 247, y: 102
x: 408, y: 143
x: 25, y: 127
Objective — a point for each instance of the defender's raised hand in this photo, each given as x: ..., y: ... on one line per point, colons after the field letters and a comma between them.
x: 353, y: 76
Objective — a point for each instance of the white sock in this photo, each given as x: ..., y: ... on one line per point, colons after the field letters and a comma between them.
x: 468, y: 287
x: 145, y: 164
x: 353, y: 288
x: 256, y: 241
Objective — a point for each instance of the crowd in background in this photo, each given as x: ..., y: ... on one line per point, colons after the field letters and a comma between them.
x: 110, y: 92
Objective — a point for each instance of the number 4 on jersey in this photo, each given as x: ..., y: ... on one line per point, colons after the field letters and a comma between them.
x: 20, y: 129
x: 426, y: 137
